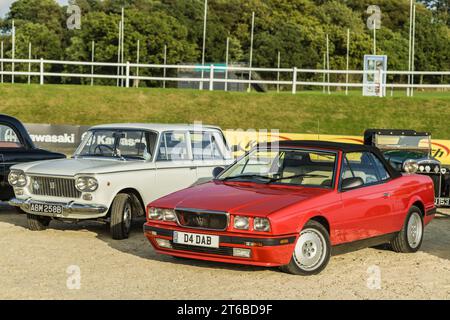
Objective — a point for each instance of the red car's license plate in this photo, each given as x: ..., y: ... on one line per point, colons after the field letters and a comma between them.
x: 195, y: 239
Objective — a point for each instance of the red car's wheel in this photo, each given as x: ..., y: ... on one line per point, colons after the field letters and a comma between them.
x: 409, y: 239
x: 312, y: 251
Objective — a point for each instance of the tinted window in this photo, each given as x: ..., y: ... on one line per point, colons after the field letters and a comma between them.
x: 205, y: 146
x: 173, y: 146
x: 360, y: 164
x: 8, y: 138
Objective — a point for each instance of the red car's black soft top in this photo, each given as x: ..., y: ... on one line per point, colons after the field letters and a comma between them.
x: 344, y: 147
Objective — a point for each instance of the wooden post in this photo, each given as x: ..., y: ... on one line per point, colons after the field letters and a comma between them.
x: 127, y: 78
x: 1, y: 57
x: 41, y: 70
x: 29, y: 62
x: 92, y: 60
x: 211, y: 78
x: 294, y: 81
x: 165, y: 63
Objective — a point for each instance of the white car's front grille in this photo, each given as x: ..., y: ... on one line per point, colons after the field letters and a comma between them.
x: 54, y: 187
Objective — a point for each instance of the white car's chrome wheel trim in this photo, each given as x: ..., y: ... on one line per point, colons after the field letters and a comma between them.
x: 127, y: 215
x: 310, y: 250
x: 414, y: 230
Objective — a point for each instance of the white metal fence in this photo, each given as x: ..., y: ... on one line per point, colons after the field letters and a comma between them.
x: 127, y: 72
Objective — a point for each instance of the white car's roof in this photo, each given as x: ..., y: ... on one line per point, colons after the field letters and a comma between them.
x: 158, y: 127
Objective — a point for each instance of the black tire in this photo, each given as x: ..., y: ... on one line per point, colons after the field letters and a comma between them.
x: 293, y: 266
x: 120, y: 225
x: 400, y: 242
x: 37, y: 223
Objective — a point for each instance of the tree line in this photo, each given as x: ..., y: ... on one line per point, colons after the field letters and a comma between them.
x: 295, y: 28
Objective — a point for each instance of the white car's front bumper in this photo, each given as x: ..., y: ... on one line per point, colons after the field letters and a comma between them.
x: 71, y: 210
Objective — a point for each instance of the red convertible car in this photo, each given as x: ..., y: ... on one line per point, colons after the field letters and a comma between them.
x: 293, y: 204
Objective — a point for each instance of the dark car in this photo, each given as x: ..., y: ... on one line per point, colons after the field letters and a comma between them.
x: 16, y: 147
x: 399, y: 146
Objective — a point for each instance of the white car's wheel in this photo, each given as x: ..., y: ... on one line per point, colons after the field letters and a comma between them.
x: 37, y: 223
x: 121, y: 216
x: 312, y: 251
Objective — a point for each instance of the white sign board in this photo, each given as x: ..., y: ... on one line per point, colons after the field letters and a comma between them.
x: 375, y: 68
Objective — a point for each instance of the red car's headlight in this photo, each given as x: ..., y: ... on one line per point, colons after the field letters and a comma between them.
x: 155, y: 214
x: 241, y: 223
x: 161, y: 214
x: 261, y: 224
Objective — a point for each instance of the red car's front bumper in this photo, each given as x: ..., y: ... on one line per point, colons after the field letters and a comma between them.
x: 265, y: 251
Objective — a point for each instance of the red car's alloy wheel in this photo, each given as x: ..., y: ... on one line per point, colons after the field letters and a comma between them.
x: 414, y: 230
x: 310, y: 250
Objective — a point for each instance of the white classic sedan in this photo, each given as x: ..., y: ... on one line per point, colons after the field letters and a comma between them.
x: 116, y: 171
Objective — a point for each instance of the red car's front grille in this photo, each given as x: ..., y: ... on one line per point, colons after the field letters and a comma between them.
x: 202, y: 219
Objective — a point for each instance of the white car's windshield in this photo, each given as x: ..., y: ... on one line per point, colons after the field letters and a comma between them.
x: 285, y: 166
x: 123, y: 144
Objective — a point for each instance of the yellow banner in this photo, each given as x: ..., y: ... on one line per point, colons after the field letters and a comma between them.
x: 242, y: 141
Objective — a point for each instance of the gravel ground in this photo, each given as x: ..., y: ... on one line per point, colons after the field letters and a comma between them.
x: 34, y: 265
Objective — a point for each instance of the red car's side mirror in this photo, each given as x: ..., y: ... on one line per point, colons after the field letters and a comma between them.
x: 351, y: 183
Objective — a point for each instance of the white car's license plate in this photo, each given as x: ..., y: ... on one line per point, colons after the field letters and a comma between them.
x: 442, y: 202
x: 194, y: 239
x: 46, y: 208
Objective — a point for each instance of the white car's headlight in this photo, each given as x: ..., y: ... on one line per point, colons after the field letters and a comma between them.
x: 17, y: 179
x: 261, y: 224
x: 241, y: 223
x: 86, y: 184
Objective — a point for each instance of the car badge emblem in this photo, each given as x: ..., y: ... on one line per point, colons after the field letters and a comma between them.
x: 36, y: 185
x: 52, y: 185
x: 201, y: 221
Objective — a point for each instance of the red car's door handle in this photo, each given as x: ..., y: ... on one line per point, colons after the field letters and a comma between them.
x: 386, y: 195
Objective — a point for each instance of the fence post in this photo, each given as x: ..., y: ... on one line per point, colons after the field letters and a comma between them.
x: 41, y: 70
x: 1, y: 58
x: 381, y: 83
x: 127, y: 79
x: 211, y: 78
x: 294, y: 81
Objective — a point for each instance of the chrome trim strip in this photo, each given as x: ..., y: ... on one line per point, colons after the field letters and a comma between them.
x: 70, y: 207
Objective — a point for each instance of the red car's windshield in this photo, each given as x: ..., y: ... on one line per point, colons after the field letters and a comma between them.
x: 285, y: 166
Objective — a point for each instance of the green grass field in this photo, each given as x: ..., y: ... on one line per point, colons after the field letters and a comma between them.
x: 302, y: 113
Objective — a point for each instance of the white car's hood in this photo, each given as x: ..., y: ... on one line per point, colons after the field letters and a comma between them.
x: 72, y: 167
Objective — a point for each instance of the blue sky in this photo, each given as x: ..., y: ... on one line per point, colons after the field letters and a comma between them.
x: 5, y: 4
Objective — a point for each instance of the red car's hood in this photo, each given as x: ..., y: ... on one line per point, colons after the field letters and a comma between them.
x: 251, y: 199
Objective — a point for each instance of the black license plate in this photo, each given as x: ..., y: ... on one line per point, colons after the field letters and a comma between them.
x: 46, y: 208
